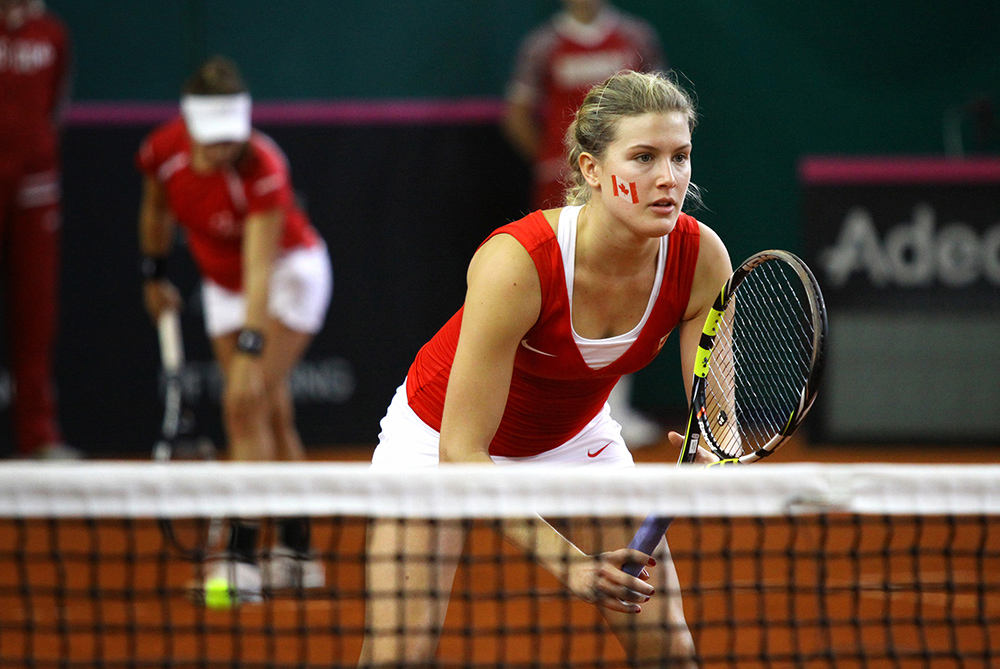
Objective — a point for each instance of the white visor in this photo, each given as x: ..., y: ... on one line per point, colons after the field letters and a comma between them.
x: 217, y: 118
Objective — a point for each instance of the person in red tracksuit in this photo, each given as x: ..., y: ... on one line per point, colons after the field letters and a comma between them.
x: 557, y: 63
x: 559, y: 305
x: 34, y: 82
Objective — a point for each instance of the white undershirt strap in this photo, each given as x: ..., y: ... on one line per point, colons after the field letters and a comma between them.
x: 599, y: 353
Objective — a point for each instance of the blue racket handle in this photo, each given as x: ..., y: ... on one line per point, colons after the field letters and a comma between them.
x: 646, y: 539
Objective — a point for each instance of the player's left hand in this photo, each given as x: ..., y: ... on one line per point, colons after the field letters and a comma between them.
x: 599, y: 579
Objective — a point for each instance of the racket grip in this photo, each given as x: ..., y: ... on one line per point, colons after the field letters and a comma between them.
x: 646, y: 539
x: 171, y: 342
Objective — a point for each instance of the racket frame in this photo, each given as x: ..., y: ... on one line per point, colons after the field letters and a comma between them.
x: 178, y: 424
x: 648, y: 536
x: 171, y: 341
x: 698, y: 416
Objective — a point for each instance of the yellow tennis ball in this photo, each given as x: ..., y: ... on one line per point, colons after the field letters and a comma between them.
x: 218, y: 594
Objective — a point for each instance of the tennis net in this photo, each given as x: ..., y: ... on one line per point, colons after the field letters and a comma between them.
x: 784, y: 565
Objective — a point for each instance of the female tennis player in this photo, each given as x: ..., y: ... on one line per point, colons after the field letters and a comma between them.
x: 559, y: 305
x: 266, y: 281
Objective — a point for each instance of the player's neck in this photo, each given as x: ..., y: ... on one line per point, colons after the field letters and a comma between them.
x: 585, y: 16
x: 605, y: 246
x: 201, y: 164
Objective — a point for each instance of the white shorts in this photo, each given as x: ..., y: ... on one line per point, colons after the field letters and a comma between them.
x: 407, y: 442
x: 301, y: 285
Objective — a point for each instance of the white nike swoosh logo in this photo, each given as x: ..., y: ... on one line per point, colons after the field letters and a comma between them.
x: 525, y: 344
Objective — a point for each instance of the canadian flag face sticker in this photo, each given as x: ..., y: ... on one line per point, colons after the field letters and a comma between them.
x: 624, y: 190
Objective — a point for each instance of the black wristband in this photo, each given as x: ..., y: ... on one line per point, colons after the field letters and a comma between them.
x: 153, y: 268
x: 250, y: 341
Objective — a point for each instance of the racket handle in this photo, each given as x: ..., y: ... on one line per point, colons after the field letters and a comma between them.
x: 646, y: 539
x: 171, y: 341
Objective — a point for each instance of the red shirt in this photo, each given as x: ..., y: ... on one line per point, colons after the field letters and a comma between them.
x: 34, y: 74
x: 213, y: 208
x: 553, y: 392
x: 558, y: 63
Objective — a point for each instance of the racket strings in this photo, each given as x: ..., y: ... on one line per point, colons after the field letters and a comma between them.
x: 774, y: 355
x: 776, y: 304
x: 761, y: 361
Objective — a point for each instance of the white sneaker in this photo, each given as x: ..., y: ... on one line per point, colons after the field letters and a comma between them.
x: 284, y: 568
x: 230, y: 582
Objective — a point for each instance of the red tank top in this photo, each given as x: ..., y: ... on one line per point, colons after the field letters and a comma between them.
x: 553, y: 393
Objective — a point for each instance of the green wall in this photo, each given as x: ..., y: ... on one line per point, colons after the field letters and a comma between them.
x: 142, y: 49
x: 776, y: 79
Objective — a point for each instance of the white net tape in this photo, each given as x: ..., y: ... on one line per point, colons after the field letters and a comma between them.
x: 124, y: 489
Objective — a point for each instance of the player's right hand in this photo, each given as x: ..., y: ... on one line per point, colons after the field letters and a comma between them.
x: 160, y: 295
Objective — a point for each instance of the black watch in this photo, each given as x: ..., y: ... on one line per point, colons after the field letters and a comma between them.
x: 250, y: 341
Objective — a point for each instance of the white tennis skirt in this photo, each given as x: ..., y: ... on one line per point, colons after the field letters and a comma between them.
x: 299, y: 295
x: 406, y: 442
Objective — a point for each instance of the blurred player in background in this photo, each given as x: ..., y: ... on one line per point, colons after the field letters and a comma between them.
x: 35, y: 68
x: 266, y: 286
x: 557, y: 64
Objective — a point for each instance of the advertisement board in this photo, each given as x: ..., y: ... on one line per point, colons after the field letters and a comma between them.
x: 907, y: 251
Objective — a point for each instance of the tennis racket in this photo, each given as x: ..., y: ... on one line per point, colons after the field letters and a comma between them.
x: 179, y: 440
x: 757, y: 369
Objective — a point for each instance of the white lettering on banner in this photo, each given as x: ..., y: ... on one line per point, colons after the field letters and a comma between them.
x: 329, y: 381
x: 914, y: 254
x: 326, y: 381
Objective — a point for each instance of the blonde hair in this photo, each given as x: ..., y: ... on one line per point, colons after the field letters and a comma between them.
x: 623, y: 95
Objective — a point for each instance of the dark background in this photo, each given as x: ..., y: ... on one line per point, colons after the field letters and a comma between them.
x: 402, y: 205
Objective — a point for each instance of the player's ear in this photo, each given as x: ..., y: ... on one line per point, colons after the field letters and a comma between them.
x: 590, y: 169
